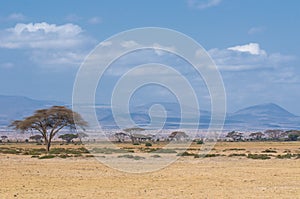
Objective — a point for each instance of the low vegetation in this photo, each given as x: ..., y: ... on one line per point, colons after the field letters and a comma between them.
x: 259, y: 156
x: 134, y: 157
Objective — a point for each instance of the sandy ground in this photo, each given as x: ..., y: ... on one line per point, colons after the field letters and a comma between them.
x: 216, y: 177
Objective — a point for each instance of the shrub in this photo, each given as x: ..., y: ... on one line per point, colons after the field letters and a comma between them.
x: 237, y: 154
x: 285, y: 156
x: 148, y: 144
x: 259, y: 156
x: 64, y: 156
x: 199, y: 142
x: 131, y: 157
x: 196, y: 156
x: 164, y: 151
x: 185, y: 154
x: 234, y: 149
x: 110, y: 150
x: 47, y: 157
x: 211, y: 155
x: 155, y: 156
x: 269, y: 151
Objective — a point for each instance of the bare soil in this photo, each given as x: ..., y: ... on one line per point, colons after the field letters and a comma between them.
x: 189, y: 177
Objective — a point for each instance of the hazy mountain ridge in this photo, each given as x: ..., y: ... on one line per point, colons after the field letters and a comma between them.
x: 262, y: 116
x: 17, y: 107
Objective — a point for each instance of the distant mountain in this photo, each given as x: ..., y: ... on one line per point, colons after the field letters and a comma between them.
x: 17, y: 107
x: 258, y: 117
x: 262, y: 116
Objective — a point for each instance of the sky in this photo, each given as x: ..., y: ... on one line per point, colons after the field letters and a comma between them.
x: 254, y: 44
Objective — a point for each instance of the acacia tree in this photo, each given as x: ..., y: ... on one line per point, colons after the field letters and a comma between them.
x: 236, y: 136
x: 37, y: 138
x: 3, y: 137
x: 274, y: 134
x: 132, y: 131
x: 82, y: 135
x: 68, y: 137
x: 256, y: 135
x: 48, y: 122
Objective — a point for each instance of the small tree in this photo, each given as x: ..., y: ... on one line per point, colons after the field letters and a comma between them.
x: 274, y: 134
x: 256, y: 135
x: 82, y: 135
x: 236, y: 136
x: 68, y: 137
x: 120, y: 136
x: 48, y: 122
x: 37, y: 138
x: 3, y: 137
x: 293, y: 135
x: 131, y: 132
x: 178, y: 136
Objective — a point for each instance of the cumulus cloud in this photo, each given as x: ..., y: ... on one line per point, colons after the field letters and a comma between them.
x: 48, y: 43
x: 203, y: 4
x: 247, y: 57
x: 42, y: 35
x: 252, y: 48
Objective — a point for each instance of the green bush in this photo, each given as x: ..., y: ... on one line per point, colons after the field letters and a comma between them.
x: 47, y: 157
x: 237, y: 154
x: 131, y: 157
x: 164, y: 151
x: 156, y: 156
x: 259, y: 156
x: 234, y: 149
x: 185, y: 153
x: 148, y: 144
x: 199, y: 142
x: 211, y: 155
x: 269, y: 151
x: 285, y: 156
x: 110, y: 150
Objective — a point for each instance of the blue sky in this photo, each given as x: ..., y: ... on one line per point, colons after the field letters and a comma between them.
x: 255, y: 44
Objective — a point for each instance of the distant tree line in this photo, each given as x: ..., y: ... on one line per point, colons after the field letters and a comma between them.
x: 270, y: 134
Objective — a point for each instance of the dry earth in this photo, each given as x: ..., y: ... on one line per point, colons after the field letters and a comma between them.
x: 215, y: 177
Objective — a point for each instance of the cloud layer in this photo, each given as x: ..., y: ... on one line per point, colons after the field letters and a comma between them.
x: 42, y: 35
x: 48, y: 44
x: 247, y: 57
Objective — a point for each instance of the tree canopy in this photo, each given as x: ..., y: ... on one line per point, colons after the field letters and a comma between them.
x: 48, y: 122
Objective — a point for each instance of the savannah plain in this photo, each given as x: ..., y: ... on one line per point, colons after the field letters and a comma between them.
x: 225, y: 175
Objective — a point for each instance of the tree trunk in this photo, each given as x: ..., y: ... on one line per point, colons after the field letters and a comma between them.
x: 48, y: 144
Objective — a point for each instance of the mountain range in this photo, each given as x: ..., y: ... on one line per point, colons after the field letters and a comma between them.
x: 258, y: 117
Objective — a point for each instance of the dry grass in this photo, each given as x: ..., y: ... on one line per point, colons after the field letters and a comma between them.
x: 211, y: 177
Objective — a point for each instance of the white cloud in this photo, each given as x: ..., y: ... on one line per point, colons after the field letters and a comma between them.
x: 203, y: 4
x: 95, y: 20
x: 43, y: 36
x: 252, y: 48
x: 48, y: 44
x: 129, y: 44
x: 255, y: 30
x: 247, y: 57
x: 14, y: 17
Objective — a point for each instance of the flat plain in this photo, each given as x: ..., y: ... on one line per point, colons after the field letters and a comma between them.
x: 225, y: 175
